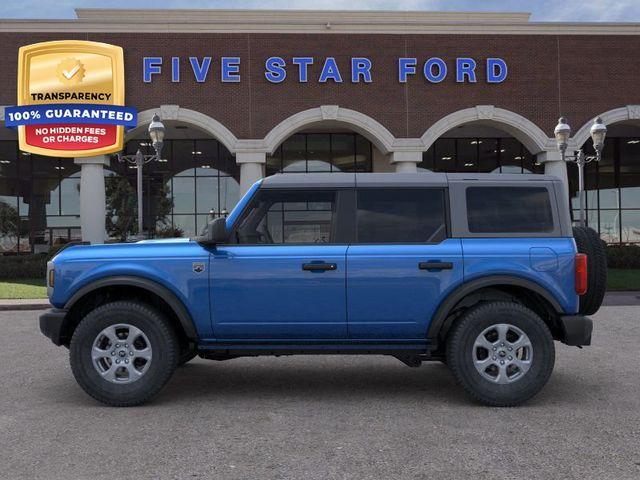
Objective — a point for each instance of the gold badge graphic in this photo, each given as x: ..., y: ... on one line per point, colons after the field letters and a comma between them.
x: 78, y: 80
x: 70, y: 71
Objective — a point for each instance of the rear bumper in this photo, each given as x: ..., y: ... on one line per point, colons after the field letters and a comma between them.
x: 576, y: 330
x: 51, y: 323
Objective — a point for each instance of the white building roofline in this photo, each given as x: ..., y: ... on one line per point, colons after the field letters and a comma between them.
x: 266, y: 16
x: 310, y: 21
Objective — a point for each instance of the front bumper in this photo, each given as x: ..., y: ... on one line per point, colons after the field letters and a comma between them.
x: 52, y: 323
x: 575, y: 330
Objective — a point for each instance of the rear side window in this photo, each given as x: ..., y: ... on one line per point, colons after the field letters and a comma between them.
x: 401, y: 215
x: 509, y: 210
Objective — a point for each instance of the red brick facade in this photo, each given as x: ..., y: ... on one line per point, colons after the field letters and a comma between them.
x: 578, y: 76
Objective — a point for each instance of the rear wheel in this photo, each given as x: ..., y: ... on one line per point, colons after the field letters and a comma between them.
x: 122, y: 353
x: 502, y: 353
x: 588, y: 242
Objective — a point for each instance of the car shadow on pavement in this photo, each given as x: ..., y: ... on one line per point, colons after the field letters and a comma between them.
x: 309, y: 380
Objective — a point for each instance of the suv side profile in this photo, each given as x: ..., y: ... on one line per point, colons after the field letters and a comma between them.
x: 479, y: 271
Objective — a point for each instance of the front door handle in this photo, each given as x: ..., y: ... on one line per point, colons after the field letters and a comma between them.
x: 316, y: 267
x: 435, y: 265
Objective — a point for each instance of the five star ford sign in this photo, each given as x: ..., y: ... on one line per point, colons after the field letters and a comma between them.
x: 71, y: 99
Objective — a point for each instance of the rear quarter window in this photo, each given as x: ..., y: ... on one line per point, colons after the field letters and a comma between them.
x: 509, y: 210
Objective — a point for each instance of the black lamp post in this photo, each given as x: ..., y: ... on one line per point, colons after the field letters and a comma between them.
x: 562, y: 133
x: 156, y: 133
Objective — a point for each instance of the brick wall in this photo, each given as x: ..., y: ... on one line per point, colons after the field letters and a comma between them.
x: 578, y: 76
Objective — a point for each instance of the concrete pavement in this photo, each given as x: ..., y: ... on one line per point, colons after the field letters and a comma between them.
x: 322, y: 418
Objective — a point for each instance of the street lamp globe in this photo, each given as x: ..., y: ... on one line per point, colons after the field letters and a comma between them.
x: 598, y: 132
x: 156, y: 133
x: 562, y: 133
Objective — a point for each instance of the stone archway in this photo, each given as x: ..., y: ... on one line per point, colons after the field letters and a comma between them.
x: 192, y: 117
x: 622, y: 114
x: 521, y: 128
x: 363, y: 124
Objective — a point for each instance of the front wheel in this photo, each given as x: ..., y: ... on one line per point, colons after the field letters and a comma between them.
x: 124, y: 352
x: 502, y: 353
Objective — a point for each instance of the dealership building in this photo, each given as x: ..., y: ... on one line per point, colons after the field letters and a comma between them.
x: 245, y: 94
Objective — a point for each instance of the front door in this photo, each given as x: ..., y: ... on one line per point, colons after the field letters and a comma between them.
x: 285, y: 277
x: 402, y: 263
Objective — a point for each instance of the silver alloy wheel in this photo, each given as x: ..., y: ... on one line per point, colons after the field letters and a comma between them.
x: 121, y: 353
x: 502, y: 353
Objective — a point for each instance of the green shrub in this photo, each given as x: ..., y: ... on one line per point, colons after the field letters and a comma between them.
x: 23, y: 266
x: 623, y: 256
x: 33, y: 265
x: 169, y: 232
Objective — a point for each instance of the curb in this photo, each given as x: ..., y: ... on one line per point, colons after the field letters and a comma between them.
x: 10, y: 307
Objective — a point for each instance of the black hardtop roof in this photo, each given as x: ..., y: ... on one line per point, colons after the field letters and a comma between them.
x: 420, y: 179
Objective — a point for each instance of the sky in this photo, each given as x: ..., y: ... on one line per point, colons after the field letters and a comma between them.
x: 542, y: 10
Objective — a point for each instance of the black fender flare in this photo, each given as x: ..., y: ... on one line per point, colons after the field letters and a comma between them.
x: 164, y: 293
x: 442, y: 312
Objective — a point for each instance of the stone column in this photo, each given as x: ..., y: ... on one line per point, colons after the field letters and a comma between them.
x: 92, y: 198
x: 251, y: 168
x: 406, y: 162
x: 553, y: 165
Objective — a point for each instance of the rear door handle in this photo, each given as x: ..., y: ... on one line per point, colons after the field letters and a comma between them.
x: 435, y: 265
x: 315, y: 267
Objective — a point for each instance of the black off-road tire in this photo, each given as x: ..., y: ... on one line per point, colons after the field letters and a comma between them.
x: 460, y: 346
x: 588, y: 242
x: 165, y: 353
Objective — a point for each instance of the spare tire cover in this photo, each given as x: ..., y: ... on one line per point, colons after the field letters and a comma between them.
x: 588, y: 242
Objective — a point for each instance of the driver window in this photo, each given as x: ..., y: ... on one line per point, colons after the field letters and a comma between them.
x: 289, y: 217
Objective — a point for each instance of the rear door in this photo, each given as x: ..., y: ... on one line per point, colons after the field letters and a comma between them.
x: 286, y: 276
x: 402, y: 262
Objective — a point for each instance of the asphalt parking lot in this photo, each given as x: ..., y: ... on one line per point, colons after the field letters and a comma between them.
x: 322, y: 417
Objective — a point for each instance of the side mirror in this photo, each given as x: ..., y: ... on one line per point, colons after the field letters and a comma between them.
x: 215, y: 233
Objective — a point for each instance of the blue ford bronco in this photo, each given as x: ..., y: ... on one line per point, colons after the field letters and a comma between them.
x: 482, y: 272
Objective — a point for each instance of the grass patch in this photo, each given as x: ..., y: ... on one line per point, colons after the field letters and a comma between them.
x: 23, y: 288
x: 618, y: 279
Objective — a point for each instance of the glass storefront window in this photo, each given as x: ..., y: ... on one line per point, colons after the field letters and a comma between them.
x: 612, y: 190
x: 184, y: 195
x: 610, y: 225
x: 511, y: 155
x: 186, y: 223
x: 629, y: 149
x: 630, y: 226
x: 483, y: 155
x: 467, y: 154
x: 322, y: 152
x: 199, y: 179
x: 182, y: 157
x: 319, y: 152
x: 294, y: 154
x: 207, y: 194
x: 488, y: 154
x: 445, y: 155
x: 428, y: 158
x: 343, y: 150
x: 364, y: 154
x: 229, y: 194
x: 274, y: 162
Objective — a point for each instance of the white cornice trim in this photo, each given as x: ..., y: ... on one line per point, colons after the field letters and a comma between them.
x: 298, y: 16
x: 308, y: 21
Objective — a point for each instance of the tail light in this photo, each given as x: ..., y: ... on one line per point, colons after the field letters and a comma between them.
x: 581, y: 274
